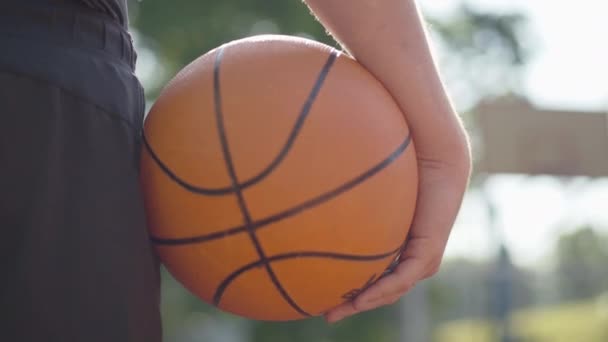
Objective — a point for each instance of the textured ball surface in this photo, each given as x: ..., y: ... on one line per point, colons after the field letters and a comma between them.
x: 279, y: 177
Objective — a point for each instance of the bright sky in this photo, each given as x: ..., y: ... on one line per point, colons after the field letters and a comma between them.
x: 569, y: 70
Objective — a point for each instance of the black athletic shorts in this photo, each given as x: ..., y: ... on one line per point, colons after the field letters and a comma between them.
x: 75, y: 260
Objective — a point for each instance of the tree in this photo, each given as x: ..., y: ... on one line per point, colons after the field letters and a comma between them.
x: 581, y: 268
x: 480, y: 52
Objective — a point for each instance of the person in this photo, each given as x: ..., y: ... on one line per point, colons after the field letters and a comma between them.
x: 76, y: 260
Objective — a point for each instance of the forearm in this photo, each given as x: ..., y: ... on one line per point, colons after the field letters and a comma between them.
x: 388, y: 38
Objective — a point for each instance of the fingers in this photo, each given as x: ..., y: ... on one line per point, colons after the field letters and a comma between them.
x: 345, y: 310
x: 386, y: 291
x: 389, y: 289
x: 422, y: 255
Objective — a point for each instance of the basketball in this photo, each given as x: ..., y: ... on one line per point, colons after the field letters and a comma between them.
x: 279, y: 177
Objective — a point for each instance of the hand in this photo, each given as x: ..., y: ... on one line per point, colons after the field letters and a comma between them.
x: 441, y: 188
x: 388, y: 38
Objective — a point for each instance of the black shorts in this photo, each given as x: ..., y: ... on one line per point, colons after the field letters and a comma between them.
x: 76, y: 263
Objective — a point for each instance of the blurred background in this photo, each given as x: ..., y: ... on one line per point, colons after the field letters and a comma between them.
x: 528, y: 256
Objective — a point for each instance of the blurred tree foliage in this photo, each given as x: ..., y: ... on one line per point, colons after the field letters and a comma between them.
x: 582, y: 264
x: 478, y: 47
x: 378, y: 326
x: 181, y: 31
x: 472, y: 43
x: 481, y: 54
x: 467, y: 289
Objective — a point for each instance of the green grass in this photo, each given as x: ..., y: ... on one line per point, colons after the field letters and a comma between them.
x: 585, y: 321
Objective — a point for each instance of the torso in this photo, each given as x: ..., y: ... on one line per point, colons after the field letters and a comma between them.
x: 117, y: 9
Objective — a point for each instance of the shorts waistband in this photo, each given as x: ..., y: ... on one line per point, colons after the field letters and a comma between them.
x: 69, y: 25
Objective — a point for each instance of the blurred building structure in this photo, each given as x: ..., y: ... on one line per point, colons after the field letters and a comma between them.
x: 517, y: 137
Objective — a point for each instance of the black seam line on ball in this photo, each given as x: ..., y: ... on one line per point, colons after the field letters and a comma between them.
x: 237, y: 189
x: 294, y: 255
x: 265, y: 222
x: 277, y: 160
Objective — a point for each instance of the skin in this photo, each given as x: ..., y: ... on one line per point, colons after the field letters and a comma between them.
x: 389, y: 39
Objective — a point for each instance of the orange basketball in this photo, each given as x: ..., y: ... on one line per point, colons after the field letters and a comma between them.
x: 279, y: 177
